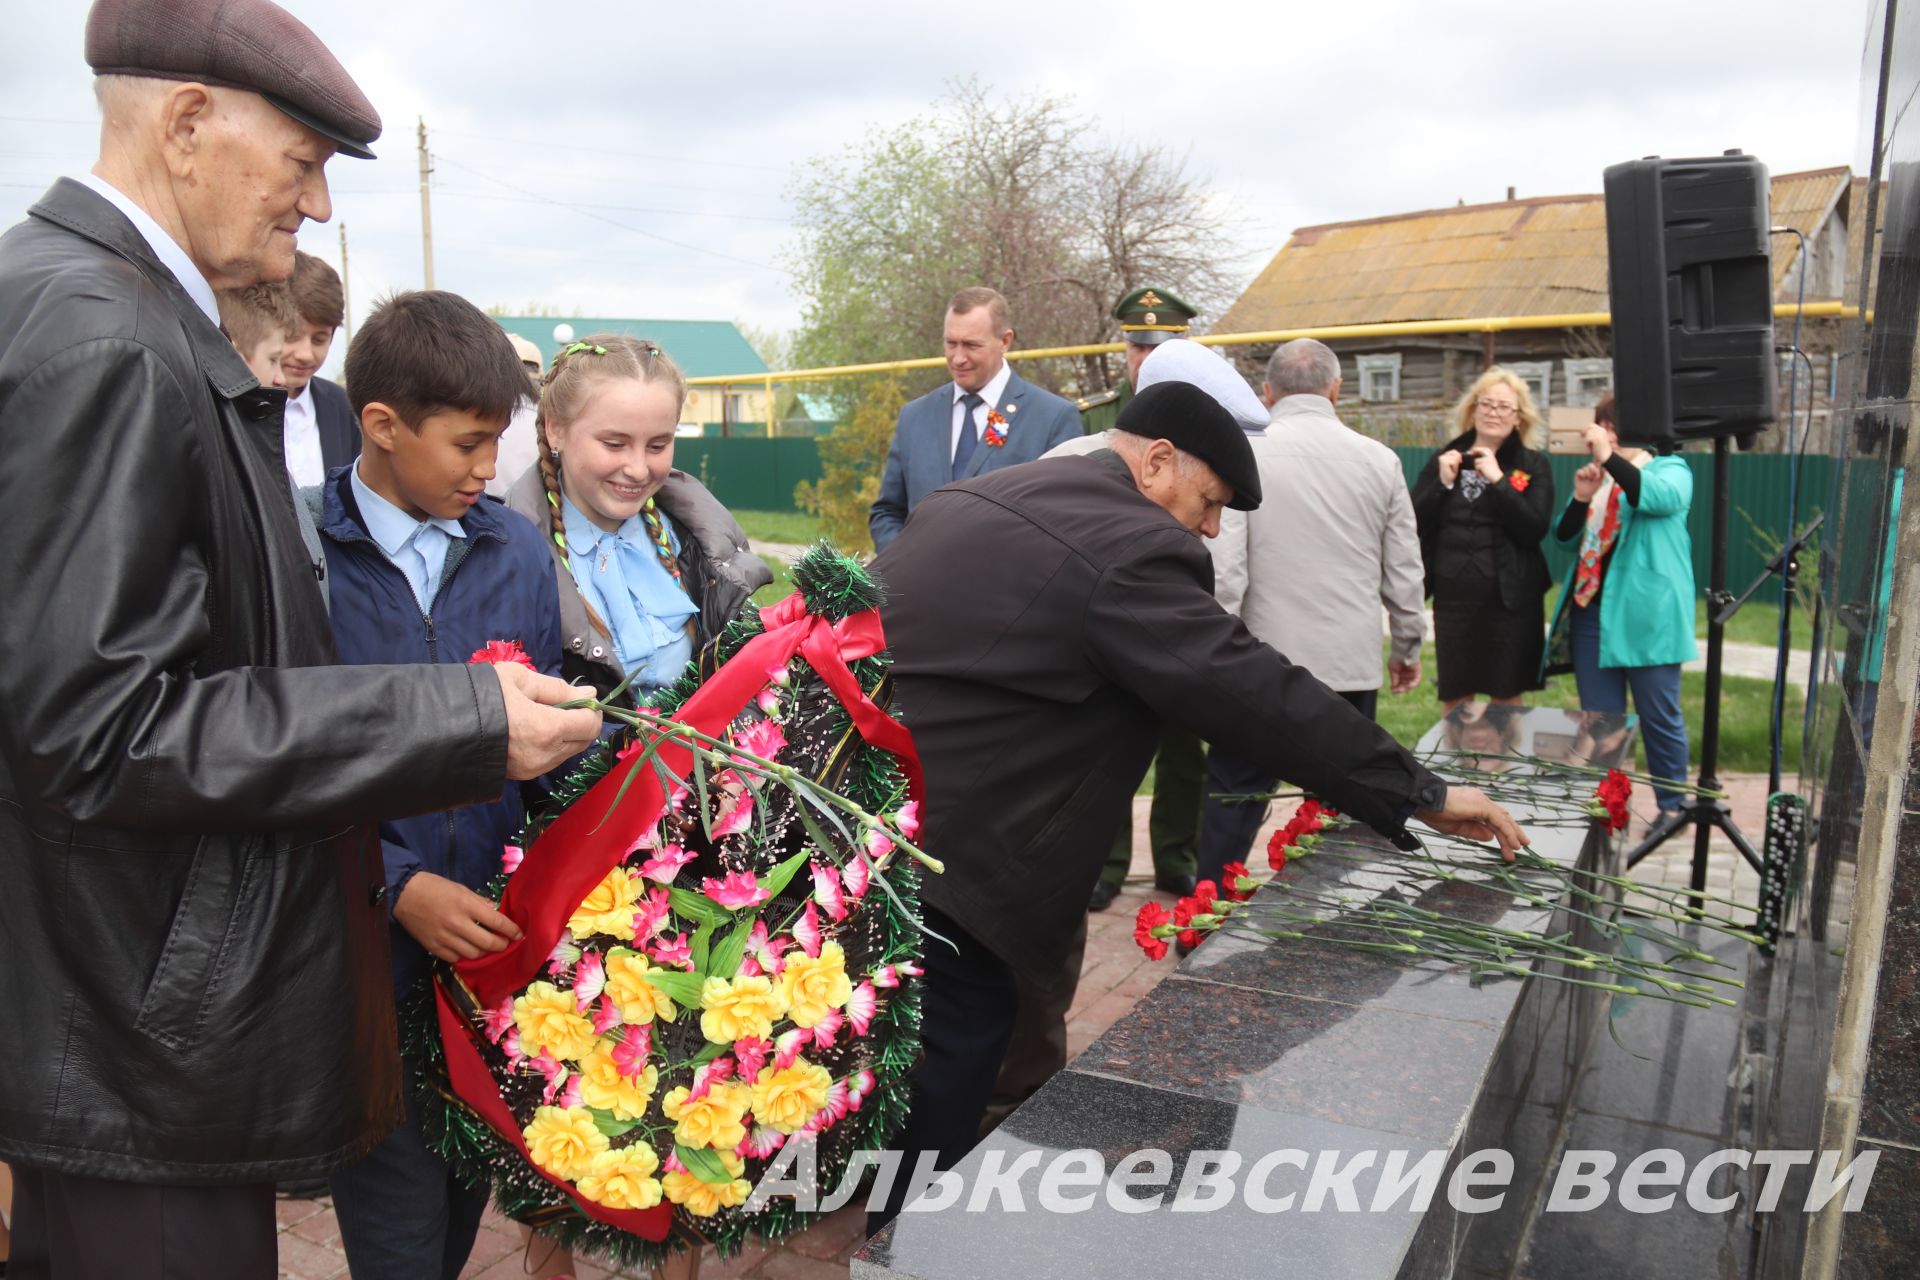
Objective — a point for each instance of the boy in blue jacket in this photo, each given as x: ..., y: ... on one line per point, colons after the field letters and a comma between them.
x: 423, y: 567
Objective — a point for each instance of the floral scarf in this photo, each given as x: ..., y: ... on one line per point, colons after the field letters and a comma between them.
x: 1603, y: 526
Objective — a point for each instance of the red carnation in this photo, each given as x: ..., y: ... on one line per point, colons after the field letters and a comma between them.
x: 1183, y: 913
x: 1613, y: 793
x: 503, y: 651
x: 1277, y: 848
x: 1519, y: 480
x: 1230, y: 877
x: 1152, y: 916
x: 1206, y: 893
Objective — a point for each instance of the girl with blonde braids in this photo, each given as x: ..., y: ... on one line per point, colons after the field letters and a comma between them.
x: 650, y: 565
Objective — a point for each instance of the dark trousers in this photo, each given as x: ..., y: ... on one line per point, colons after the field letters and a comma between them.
x: 404, y: 1214
x: 968, y: 1004
x: 71, y: 1228
x: 1038, y: 1049
x: 1173, y: 823
x: 1227, y: 830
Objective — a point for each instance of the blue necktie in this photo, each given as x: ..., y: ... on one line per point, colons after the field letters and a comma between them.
x: 969, y: 434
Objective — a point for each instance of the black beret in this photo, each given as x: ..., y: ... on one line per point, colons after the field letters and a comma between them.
x: 235, y: 44
x: 1197, y: 423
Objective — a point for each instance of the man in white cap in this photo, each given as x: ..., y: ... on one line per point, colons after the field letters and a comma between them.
x: 193, y: 928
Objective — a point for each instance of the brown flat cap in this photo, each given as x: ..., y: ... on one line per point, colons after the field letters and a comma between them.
x: 237, y: 44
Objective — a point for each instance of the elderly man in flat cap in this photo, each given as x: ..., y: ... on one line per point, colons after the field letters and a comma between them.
x: 1036, y: 685
x: 192, y: 919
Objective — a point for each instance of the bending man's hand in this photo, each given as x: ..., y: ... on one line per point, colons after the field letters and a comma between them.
x: 1469, y: 813
x: 539, y: 737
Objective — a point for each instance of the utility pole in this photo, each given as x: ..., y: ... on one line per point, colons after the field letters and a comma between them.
x: 346, y: 293
x: 426, y: 206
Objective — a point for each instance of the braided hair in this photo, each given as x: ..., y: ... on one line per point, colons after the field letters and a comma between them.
x: 564, y: 391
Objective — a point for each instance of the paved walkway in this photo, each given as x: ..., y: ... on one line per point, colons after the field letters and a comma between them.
x: 1112, y: 980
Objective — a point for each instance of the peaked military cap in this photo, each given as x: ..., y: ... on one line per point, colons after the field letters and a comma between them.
x: 1150, y: 316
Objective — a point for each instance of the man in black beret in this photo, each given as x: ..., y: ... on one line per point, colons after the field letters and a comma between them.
x: 1036, y: 683
x: 193, y: 926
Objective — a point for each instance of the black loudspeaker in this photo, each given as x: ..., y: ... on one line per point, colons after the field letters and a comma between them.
x: 1692, y: 287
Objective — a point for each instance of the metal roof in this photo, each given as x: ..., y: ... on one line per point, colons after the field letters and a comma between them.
x: 1541, y: 256
x: 699, y: 347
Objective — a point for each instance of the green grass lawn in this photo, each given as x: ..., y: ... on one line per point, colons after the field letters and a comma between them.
x: 779, y: 526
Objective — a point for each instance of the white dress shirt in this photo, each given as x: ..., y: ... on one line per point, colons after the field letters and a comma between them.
x: 300, y: 439
x: 165, y: 247
x: 990, y: 394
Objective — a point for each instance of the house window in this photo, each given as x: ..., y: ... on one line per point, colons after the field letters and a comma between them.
x: 1538, y: 375
x: 1379, y: 377
x: 1587, y: 380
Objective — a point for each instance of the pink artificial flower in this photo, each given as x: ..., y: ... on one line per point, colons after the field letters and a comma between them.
x: 510, y: 1045
x: 651, y: 840
x: 499, y: 1019
x: 829, y: 1026
x: 787, y: 1046
x: 761, y: 1143
x: 510, y: 856
x: 675, y: 952
x: 826, y: 892
x: 570, y: 1096
x: 889, y: 975
x: 763, y: 738
x: 670, y: 1163
x: 837, y: 1103
x: 650, y: 913
x: 856, y: 876
x: 768, y: 701
x: 861, y: 1082
x: 589, y: 977
x: 564, y: 955
x: 630, y: 1055
x: 663, y: 866
x: 807, y: 932
x: 606, y: 1016
x: 554, y: 1073
x: 908, y: 819
x: 765, y: 949
x: 862, y: 1006
x: 750, y: 968
x: 751, y: 1053
x: 879, y: 846
x: 736, y: 806
x: 777, y: 675
x: 719, y: 1071
x: 738, y: 890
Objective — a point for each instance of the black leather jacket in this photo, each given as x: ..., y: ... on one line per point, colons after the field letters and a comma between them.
x: 193, y: 954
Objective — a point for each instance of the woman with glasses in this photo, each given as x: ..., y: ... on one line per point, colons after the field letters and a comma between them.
x: 1625, y: 618
x: 1483, y: 503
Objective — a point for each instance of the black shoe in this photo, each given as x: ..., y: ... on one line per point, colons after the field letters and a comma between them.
x: 1104, y: 892
x: 1178, y: 886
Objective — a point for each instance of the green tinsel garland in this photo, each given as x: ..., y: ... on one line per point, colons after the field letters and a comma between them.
x: 834, y: 586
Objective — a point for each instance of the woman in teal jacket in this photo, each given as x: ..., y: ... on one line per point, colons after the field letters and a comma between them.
x: 1626, y: 609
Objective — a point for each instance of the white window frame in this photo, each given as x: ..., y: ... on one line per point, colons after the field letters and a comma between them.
x: 1388, y: 364
x: 1578, y: 372
x: 1538, y: 375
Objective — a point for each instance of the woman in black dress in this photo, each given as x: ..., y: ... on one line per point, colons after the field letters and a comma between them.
x: 1484, y: 502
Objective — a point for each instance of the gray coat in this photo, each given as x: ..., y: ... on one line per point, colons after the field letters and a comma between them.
x: 716, y: 564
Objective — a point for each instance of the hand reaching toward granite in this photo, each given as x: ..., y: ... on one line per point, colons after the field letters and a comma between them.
x: 1470, y: 813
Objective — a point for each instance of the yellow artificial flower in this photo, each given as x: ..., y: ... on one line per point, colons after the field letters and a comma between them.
x: 704, y: 1199
x: 546, y: 1018
x: 563, y: 1141
x: 786, y: 1099
x: 602, y: 1085
x: 638, y: 1000
x: 711, y: 1120
x: 738, y: 1009
x: 623, y: 1178
x: 811, y: 986
x: 609, y: 908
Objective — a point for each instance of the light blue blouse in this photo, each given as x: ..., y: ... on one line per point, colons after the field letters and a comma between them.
x: 621, y: 577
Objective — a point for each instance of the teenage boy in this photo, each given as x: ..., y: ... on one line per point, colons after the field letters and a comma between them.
x: 321, y: 430
x: 423, y: 568
x: 258, y: 319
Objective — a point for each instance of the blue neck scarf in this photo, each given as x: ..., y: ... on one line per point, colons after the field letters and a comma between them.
x: 621, y: 577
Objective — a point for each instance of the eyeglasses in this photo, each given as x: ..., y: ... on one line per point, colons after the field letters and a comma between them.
x: 1496, y: 407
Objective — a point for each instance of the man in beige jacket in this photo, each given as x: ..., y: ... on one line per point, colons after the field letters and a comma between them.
x: 1333, y: 542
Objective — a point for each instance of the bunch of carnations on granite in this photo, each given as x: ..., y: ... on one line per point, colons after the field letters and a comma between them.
x: 721, y: 929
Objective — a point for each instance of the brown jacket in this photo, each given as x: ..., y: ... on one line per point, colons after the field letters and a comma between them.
x: 1044, y: 621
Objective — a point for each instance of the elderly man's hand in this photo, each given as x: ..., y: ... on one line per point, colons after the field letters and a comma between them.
x: 1471, y: 814
x: 1405, y: 675
x: 539, y: 737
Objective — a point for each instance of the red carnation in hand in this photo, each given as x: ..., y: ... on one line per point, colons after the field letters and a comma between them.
x: 1613, y: 793
x: 1152, y: 916
x: 1231, y: 876
x: 503, y: 651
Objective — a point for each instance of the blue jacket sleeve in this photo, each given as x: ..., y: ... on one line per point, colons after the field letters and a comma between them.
x: 1065, y: 427
x: 889, y: 512
x: 401, y: 864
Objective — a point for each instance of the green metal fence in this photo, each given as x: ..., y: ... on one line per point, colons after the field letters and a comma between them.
x: 750, y: 474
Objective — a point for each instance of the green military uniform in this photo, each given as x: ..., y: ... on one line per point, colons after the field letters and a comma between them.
x: 1147, y: 318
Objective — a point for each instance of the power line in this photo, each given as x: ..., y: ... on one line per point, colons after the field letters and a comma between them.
x: 551, y: 143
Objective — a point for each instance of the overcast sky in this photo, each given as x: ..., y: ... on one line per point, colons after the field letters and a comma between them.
x: 631, y: 157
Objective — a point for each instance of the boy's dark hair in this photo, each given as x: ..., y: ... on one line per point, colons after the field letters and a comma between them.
x: 256, y: 313
x: 429, y: 352
x: 316, y: 291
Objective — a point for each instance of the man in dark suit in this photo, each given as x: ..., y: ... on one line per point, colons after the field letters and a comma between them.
x: 1036, y: 682
x: 320, y: 432
x: 988, y: 417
